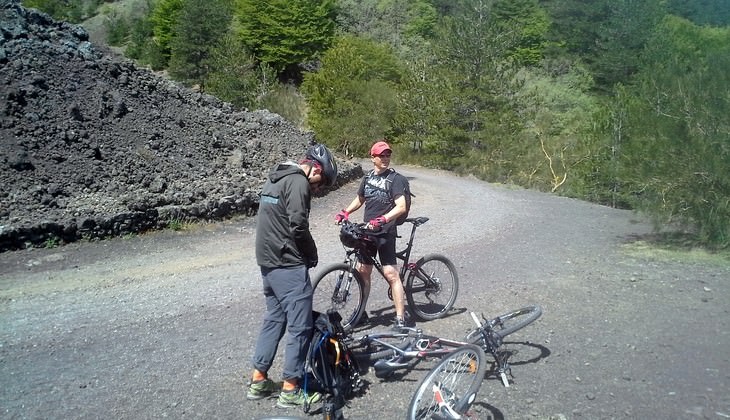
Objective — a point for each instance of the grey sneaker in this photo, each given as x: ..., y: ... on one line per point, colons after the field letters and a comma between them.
x: 261, y: 389
x: 296, y: 398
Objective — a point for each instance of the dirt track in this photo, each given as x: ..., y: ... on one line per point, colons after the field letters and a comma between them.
x: 162, y: 325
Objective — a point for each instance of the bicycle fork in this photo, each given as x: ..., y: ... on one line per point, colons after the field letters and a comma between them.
x: 503, y: 368
x: 446, y: 400
x: 342, y: 287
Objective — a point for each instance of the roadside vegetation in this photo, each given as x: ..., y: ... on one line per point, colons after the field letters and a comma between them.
x: 617, y: 102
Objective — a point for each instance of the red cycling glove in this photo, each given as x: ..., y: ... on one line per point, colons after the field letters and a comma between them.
x: 342, y: 216
x: 378, y: 222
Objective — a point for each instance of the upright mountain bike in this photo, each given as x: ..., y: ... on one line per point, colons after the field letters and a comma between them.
x: 431, y: 283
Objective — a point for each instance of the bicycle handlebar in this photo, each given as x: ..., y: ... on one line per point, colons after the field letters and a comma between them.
x: 418, y: 221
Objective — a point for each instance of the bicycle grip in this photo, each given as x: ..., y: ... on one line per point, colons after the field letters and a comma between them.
x: 505, y: 381
x: 476, y: 320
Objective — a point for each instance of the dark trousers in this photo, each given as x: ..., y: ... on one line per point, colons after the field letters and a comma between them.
x: 288, y: 293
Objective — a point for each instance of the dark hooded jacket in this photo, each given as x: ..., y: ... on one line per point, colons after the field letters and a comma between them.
x: 283, y: 238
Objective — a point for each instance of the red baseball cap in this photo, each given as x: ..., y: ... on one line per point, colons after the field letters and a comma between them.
x: 378, y: 148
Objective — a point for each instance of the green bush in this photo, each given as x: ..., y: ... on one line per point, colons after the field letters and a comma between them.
x: 74, y: 11
x: 118, y: 30
x: 286, y: 101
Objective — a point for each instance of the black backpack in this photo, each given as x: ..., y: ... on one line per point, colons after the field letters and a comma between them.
x: 407, y: 193
x: 330, y: 363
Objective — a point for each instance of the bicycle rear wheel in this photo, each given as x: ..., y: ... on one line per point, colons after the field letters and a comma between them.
x: 449, y: 389
x: 508, y: 323
x: 339, y: 287
x: 431, y: 287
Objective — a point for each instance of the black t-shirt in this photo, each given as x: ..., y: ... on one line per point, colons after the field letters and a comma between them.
x: 379, y: 198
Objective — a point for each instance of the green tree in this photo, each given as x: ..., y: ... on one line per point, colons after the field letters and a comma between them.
x: 399, y: 23
x: 56, y: 8
x: 236, y: 76
x: 74, y: 11
x: 199, y: 27
x: 608, y: 35
x: 471, y: 54
x: 678, y: 153
x: 528, y: 23
x: 556, y: 113
x: 352, y: 98
x: 286, y: 33
x: 703, y: 12
x: 621, y: 39
x: 142, y: 47
x: 163, y: 18
x: 576, y: 23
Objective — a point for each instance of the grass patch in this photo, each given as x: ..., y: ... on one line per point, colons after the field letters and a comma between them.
x: 678, y: 247
x: 176, y: 225
x: 52, y: 242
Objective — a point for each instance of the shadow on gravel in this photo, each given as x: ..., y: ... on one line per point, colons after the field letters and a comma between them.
x: 487, y: 412
x: 542, y: 352
x: 454, y: 312
x: 386, y: 316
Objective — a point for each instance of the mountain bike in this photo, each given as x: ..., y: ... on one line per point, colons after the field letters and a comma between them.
x: 390, y: 351
x: 430, y: 284
x: 449, y: 388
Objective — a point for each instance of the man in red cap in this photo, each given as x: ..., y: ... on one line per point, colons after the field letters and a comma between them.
x: 383, y: 192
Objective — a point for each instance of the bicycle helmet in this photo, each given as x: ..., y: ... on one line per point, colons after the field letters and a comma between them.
x: 351, y: 235
x: 321, y: 154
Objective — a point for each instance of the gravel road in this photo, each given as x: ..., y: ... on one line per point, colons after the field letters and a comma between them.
x: 162, y: 325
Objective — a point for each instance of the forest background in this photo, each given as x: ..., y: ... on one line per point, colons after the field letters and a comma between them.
x: 620, y: 102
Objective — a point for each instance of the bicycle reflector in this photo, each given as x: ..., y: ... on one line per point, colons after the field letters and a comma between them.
x: 350, y: 235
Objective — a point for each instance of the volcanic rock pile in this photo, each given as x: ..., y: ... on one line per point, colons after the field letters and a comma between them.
x: 92, y: 146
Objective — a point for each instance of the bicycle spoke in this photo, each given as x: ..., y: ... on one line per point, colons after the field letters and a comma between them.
x: 450, y: 388
x: 432, y: 287
x: 337, y: 289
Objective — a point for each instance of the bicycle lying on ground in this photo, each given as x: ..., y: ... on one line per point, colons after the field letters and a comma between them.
x: 431, y: 283
x: 449, y: 389
x: 389, y: 351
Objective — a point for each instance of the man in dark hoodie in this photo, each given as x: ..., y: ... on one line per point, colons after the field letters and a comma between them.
x: 285, y: 251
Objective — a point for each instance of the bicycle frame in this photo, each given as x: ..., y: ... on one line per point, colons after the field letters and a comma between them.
x: 355, y: 255
x: 423, y: 345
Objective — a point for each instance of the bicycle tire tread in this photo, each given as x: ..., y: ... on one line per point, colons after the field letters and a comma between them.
x: 468, y: 397
x: 413, y: 306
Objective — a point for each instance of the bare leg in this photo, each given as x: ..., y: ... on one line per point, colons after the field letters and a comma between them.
x: 396, y: 286
x: 366, y: 272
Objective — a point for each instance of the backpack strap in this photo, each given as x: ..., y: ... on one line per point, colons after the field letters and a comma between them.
x: 389, y: 182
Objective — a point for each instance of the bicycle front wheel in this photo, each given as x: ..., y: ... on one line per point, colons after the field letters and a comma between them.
x: 431, y: 287
x: 339, y: 287
x: 508, y: 323
x: 449, y: 389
